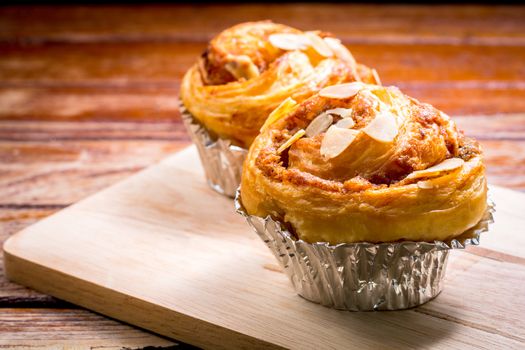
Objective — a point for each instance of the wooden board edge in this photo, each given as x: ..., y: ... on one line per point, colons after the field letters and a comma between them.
x: 133, y: 311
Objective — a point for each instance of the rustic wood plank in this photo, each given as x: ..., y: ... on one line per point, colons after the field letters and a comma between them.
x: 464, y: 98
x: 355, y: 23
x: 27, y: 131
x: 165, y: 63
x: 62, y: 172
x: 71, y: 329
x: 142, y: 103
x: 490, y: 127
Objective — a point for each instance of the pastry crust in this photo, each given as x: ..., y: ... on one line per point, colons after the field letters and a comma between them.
x: 373, y: 191
x: 242, y: 77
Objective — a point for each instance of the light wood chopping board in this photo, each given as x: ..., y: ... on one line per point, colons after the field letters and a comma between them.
x: 162, y: 251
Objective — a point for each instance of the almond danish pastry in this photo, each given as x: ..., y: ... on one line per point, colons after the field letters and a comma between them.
x: 245, y: 73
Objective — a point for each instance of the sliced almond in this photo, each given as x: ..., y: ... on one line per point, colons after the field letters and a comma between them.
x: 342, y: 112
x: 336, y: 140
x: 342, y: 91
x: 339, y: 49
x: 319, y: 44
x: 438, y: 169
x: 279, y: 112
x: 425, y: 185
x: 377, y: 80
x: 382, y: 128
x: 289, y: 41
x: 345, y: 123
x: 319, y: 125
x: 291, y: 141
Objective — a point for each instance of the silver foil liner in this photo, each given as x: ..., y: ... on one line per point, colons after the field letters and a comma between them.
x: 222, y: 161
x: 363, y: 276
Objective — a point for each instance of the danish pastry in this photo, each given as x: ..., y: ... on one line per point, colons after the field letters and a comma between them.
x: 359, y: 162
x: 249, y: 69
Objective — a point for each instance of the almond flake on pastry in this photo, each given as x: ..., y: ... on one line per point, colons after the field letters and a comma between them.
x: 342, y: 91
x: 319, y: 125
x: 376, y: 77
x: 438, y: 169
x: 345, y: 123
x: 291, y: 141
x: 279, y: 112
x: 289, y: 42
x: 342, y: 112
x: 425, y: 185
x: 336, y: 140
x: 382, y: 128
x: 339, y: 49
x: 319, y: 44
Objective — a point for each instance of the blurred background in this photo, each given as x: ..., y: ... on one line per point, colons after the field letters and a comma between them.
x: 88, y: 96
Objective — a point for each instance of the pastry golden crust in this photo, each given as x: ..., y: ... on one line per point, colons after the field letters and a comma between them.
x: 243, y: 75
x: 402, y: 171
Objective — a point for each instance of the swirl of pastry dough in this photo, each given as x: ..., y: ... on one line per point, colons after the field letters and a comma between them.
x: 249, y: 69
x: 365, y: 163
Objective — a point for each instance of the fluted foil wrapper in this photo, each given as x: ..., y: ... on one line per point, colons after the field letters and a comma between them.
x: 222, y: 161
x: 363, y: 276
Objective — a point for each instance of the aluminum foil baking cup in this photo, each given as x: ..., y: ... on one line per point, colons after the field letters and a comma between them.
x: 362, y: 276
x: 222, y: 161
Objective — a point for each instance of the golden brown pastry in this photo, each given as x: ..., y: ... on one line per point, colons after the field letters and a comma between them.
x: 361, y: 162
x: 249, y: 69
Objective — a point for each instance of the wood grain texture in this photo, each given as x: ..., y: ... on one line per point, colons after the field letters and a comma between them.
x: 235, y: 299
x: 71, y: 329
x: 12, y: 294
x: 355, y: 23
x: 164, y: 63
x: 62, y: 172
x: 90, y: 103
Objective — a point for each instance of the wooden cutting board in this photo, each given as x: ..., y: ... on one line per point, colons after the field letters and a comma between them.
x: 162, y: 251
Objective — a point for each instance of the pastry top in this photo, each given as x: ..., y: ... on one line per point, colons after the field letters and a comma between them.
x: 360, y: 162
x: 249, y: 69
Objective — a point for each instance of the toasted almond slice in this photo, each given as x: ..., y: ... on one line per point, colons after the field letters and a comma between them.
x: 319, y: 124
x: 279, y: 112
x: 336, y: 140
x: 382, y: 128
x: 342, y: 90
x: 345, y: 123
x: 342, y: 112
x: 319, y: 44
x: 291, y: 141
x: 376, y: 77
x: 438, y: 169
x: 339, y: 49
x: 425, y: 185
x: 289, y: 41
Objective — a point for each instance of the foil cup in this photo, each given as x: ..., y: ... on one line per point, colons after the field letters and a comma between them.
x: 222, y: 161
x: 363, y: 276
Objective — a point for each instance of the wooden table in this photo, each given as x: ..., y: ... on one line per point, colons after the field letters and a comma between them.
x: 88, y: 97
